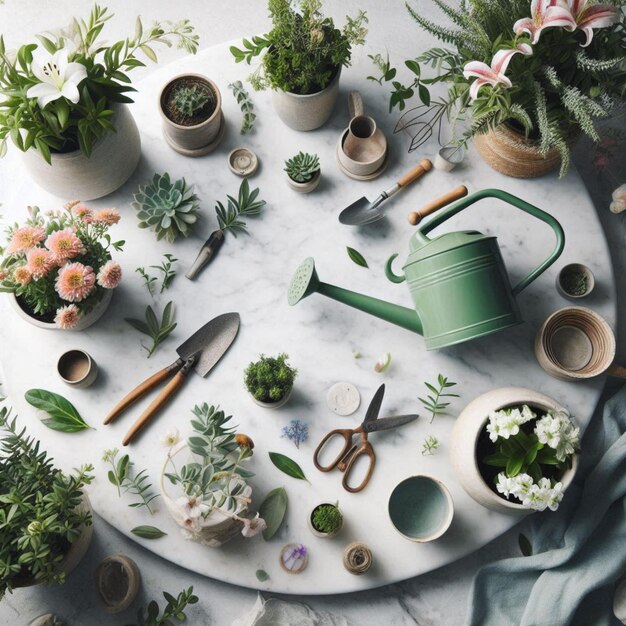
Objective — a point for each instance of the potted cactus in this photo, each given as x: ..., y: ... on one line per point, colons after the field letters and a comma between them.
x: 269, y: 380
x: 326, y: 520
x: 191, y: 108
x: 168, y: 208
x: 303, y: 172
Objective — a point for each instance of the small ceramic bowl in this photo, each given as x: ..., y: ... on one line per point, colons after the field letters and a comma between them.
x: 575, y: 343
x: 575, y: 276
x: 243, y: 162
x: 448, y: 158
x: 421, y: 508
x: 77, y: 368
x: 117, y: 582
x: 373, y: 160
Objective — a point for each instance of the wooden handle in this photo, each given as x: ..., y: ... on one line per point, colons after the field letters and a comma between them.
x: 417, y: 216
x: 421, y: 168
x: 158, y: 403
x: 617, y: 371
x: 141, y: 389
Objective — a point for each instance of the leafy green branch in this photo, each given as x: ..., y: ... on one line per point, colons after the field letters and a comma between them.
x: 433, y: 403
x: 157, y: 330
x: 174, y: 609
x: 245, y: 104
x: 245, y: 205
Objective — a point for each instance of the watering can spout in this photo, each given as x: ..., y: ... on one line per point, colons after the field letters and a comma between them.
x: 305, y: 282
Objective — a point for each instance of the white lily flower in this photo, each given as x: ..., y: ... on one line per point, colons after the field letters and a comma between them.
x: 59, y: 78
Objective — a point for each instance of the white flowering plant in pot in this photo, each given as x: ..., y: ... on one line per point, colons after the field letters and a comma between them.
x: 59, y: 93
x: 213, y: 493
x: 529, y: 450
x: 59, y: 266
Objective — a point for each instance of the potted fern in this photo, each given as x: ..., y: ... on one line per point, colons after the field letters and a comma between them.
x: 326, y: 520
x: 529, y: 76
x: 302, y: 57
x: 64, y: 103
x: 269, y: 380
x: 191, y: 109
x: 46, y: 516
x: 303, y: 172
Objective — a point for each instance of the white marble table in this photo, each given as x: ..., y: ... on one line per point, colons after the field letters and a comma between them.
x: 250, y: 275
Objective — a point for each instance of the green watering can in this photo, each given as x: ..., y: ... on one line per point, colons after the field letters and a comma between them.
x: 458, y: 281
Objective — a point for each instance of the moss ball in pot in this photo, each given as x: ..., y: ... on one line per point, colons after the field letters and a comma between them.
x: 270, y: 380
x: 326, y: 520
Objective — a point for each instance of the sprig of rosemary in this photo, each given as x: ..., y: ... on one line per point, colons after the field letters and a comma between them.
x: 157, y: 331
x: 245, y: 104
x: 122, y: 476
x: 432, y: 403
x: 246, y: 205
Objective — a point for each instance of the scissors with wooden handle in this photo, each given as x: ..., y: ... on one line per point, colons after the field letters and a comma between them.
x: 351, y: 452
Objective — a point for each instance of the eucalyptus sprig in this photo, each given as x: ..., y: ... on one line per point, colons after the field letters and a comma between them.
x: 126, y: 480
x: 157, y: 330
x: 245, y: 104
x: 433, y: 403
x: 245, y: 205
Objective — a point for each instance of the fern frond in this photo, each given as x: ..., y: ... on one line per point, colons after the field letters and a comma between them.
x: 466, y: 21
x: 519, y: 114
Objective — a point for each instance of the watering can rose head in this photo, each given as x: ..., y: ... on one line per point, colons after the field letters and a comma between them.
x: 458, y: 281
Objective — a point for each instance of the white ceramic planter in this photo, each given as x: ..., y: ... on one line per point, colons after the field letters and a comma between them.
x: 306, y: 112
x: 72, y: 175
x: 272, y: 405
x: 87, y: 320
x: 469, y: 426
x: 307, y: 187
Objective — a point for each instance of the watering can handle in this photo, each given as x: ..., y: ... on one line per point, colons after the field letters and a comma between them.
x: 520, y: 204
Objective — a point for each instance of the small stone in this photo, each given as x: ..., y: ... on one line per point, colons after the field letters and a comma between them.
x: 343, y: 398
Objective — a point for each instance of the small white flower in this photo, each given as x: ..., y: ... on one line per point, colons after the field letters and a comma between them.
x: 555, y: 496
x: 527, y: 414
x: 536, y: 498
x: 523, y: 486
x: 192, y: 507
x: 383, y: 363
x: 170, y: 438
x: 59, y: 78
x: 505, y: 485
x: 548, y: 430
x: 191, y: 527
x: 253, y: 526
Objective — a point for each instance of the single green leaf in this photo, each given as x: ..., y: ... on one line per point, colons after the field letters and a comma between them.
x: 273, y: 510
x: 63, y: 415
x: 287, y: 465
x: 524, y: 545
x: 262, y: 575
x: 514, y: 466
x: 148, y: 532
x: 356, y: 257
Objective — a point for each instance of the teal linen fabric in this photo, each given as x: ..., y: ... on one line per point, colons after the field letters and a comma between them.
x: 579, y: 551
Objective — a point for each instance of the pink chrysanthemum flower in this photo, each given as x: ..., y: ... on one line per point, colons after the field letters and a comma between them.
x: 110, y: 275
x: 4, y: 274
x: 67, y: 317
x: 25, y: 238
x: 107, y: 216
x: 64, y: 244
x: 22, y: 275
x: 75, y: 281
x: 83, y: 213
x: 39, y: 262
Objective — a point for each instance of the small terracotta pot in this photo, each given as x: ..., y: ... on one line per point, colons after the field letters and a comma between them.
x: 307, y: 187
x: 198, y: 139
x: 509, y: 152
x: 468, y: 428
x: 73, y: 175
x: 309, y: 111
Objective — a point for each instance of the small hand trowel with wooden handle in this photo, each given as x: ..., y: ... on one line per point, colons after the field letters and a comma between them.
x: 201, y: 352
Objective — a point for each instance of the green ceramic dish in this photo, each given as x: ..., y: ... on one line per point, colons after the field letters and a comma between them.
x: 421, y: 508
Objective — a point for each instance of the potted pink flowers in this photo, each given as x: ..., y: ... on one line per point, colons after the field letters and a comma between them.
x: 59, y: 268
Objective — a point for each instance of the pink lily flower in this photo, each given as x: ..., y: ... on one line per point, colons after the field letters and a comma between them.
x: 589, y: 16
x: 545, y: 14
x: 494, y: 74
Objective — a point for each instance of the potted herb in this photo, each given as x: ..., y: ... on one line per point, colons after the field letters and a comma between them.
x: 64, y: 103
x: 191, y: 109
x: 530, y: 77
x: 269, y: 380
x: 46, y: 527
x: 302, y: 57
x: 213, y: 495
x: 303, y: 172
x: 514, y: 449
x: 59, y: 268
x: 326, y: 520
x: 575, y: 281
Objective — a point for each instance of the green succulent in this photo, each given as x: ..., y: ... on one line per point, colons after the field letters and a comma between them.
x: 327, y: 518
x: 169, y: 208
x: 189, y: 100
x: 270, y: 378
x: 302, y: 167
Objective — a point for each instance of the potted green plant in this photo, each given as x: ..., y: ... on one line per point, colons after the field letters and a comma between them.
x: 303, y: 172
x: 46, y: 516
x: 58, y: 268
x: 514, y: 449
x: 191, y: 109
x: 326, y: 520
x: 64, y: 103
x: 302, y: 57
x: 269, y: 380
x: 530, y: 77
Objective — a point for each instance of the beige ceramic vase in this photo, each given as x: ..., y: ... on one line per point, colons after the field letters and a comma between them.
x: 72, y: 175
x: 509, y: 152
x: 467, y: 429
